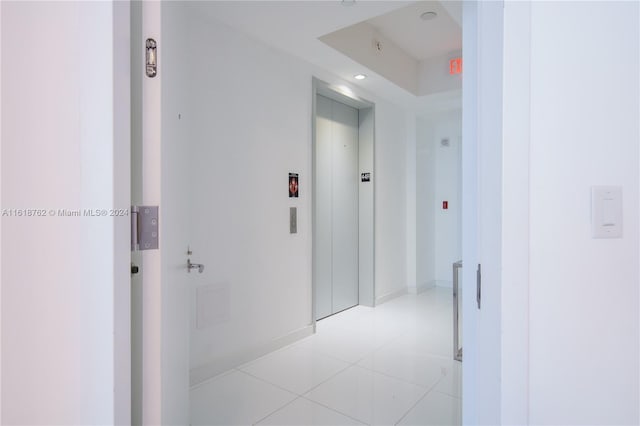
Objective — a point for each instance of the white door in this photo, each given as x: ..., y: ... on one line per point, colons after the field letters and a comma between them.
x: 336, y: 237
x: 481, y: 211
x: 160, y: 388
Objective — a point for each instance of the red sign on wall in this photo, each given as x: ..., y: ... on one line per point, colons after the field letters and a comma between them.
x: 455, y: 66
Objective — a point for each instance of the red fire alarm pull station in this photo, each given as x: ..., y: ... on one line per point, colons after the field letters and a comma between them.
x: 455, y: 66
x: 445, y: 205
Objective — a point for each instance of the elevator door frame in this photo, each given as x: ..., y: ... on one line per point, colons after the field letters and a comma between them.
x: 366, y: 211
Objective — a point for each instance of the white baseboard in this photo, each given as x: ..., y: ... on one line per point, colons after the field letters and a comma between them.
x: 385, y: 298
x: 215, y: 367
x: 422, y: 287
x: 444, y: 283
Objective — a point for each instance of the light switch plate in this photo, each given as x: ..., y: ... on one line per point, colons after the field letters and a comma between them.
x: 606, y: 212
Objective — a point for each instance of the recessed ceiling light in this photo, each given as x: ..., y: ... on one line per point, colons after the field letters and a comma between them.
x: 427, y: 16
x: 359, y: 76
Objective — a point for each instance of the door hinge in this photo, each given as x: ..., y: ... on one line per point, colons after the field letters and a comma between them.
x: 144, y: 228
x: 151, y: 57
x: 479, y: 285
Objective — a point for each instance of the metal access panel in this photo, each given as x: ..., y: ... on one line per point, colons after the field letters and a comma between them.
x: 145, y: 228
x: 293, y: 220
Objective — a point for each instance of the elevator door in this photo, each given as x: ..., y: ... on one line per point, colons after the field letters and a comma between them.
x: 336, y: 209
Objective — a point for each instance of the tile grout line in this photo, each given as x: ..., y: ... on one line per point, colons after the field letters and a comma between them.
x: 297, y: 395
x: 426, y: 389
x: 327, y: 379
x: 334, y: 410
x: 340, y: 370
x: 210, y: 380
x: 448, y: 394
x: 418, y: 401
x: 276, y: 410
x: 387, y: 344
x: 402, y: 379
x: 268, y: 382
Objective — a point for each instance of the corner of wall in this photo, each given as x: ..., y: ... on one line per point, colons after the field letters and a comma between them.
x: 201, y: 374
x: 410, y: 195
x: 391, y: 295
x: 422, y: 287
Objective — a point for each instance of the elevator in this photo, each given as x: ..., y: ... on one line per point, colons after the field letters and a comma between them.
x: 343, y: 259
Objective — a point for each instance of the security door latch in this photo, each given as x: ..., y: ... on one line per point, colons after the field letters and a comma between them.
x: 151, y: 58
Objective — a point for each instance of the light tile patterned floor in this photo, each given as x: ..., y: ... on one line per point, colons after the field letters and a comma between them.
x: 379, y: 366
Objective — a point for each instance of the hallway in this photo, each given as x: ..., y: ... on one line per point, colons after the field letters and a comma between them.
x: 386, y: 365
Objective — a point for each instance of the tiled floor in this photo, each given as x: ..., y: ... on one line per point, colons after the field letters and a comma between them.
x: 383, y: 366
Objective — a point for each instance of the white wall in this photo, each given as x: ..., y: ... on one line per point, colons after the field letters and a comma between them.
x: 439, y: 173
x: 61, y: 275
x: 425, y: 204
x: 248, y: 111
x: 584, y: 325
x: 410, y: 203
x: 366, y: 214
x: 434, y: 77
x: 390, y: 200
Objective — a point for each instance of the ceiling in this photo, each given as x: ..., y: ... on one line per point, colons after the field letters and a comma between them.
x: 295, y: 27
x: 419, y: 38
